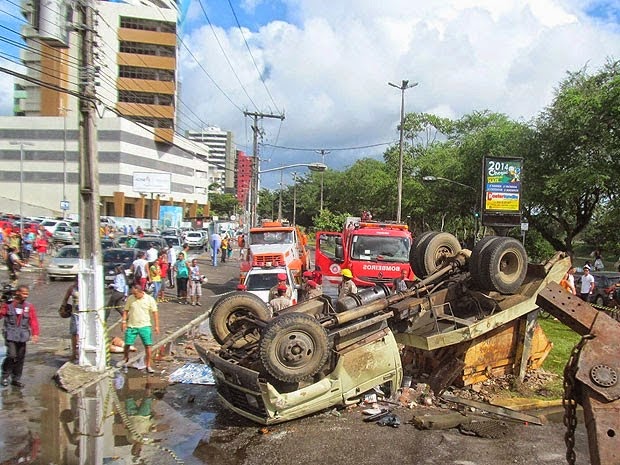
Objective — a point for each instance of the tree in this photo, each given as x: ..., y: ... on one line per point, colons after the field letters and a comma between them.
x: 576, y: 170
x: 223, y: 204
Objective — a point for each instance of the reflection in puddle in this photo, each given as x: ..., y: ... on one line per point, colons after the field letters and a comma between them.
x: 120, y: 420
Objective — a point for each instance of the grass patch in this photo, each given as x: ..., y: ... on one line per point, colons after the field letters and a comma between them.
x: 564, y: 340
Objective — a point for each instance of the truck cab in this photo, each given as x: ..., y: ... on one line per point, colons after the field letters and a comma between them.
x: 374, y: 251
x: 276, y: 245
x: 259, y: 280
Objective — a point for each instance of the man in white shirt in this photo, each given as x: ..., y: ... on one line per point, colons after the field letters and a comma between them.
x: 151, y: 253
x: 141, y: 276
x: 172, y: 259
x: 587, y: 284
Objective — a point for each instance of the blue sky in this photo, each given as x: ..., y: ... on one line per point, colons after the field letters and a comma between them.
x: 326, y: 64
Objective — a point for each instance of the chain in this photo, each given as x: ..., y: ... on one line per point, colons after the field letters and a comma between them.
x: 569, y: 400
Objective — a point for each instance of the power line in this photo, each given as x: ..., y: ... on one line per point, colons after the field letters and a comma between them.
x: 252, y: 56
x: 333, y: 149
x: 225, y: 55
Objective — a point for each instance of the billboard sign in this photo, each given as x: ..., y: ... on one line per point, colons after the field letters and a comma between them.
x: 170, y: 217
x: 502, y: 191
x: 156, y: 183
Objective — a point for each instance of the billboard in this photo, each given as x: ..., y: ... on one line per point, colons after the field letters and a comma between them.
x: 170, y: 217
x: 502, y: 191
x: 156, y: 183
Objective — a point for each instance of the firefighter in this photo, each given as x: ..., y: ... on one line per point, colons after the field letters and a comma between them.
x: 273, y: 292
x: 281, y: 301
x: 347, y: 286
x: 314, y: 290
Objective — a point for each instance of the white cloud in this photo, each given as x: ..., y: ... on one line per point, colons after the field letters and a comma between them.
x: 330, y: 69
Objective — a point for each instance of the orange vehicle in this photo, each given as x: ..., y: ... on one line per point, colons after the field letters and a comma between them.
x: 273, y: 244
x: 374, y: 251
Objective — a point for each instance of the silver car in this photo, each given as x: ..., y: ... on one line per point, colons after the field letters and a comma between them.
x: 65, y: 264
x: 66, y: 234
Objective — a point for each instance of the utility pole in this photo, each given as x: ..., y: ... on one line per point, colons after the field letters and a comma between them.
x: 294, y: 198
x: 256, y: 162
x: 322, y: 153
x: 21, y: 185
x: 64, y: 161
x: 92, y: 343
x: 403, y: 87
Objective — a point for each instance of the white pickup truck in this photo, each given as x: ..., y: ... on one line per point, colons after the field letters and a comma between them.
x: 259, y: 280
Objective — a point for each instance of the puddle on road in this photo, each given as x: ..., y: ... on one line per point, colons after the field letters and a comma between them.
x: 127, y: 419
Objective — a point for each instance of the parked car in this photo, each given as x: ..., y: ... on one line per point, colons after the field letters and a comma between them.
x: 65, y: 264
x: 114, y: 257
x: 604, y: 284
x: 171, y: 232
x: 144, y: 243
x: 195, y: 239
x: 51, y: 225
x: 174, y: 242
x: 107, y: 243
x: 66, y: 234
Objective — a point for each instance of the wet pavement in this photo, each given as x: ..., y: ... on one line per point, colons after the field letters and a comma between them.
x: 135, y: 418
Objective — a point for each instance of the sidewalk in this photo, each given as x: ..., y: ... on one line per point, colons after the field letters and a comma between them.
x: 53, y: 350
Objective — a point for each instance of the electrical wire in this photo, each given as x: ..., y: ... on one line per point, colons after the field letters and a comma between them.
x: 225, y: 55
x: 301, y: 149
x: 252, y: 56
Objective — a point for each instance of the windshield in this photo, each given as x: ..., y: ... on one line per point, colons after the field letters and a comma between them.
x: 69, y: 253
x: 173, y: 241
x: 261, y: 281
x: 271, y: 237
x: 381, y: 249
x: 118, y: 256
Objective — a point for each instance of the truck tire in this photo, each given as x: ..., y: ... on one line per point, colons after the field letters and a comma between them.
x: 227, y: 310
x: 503, y: 265
x: 294, y: 347
x: 416, y: 253
x: 475, y: 262
x: 435, y: 250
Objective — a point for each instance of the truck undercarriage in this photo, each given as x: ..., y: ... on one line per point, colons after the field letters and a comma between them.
x: 317, y: 354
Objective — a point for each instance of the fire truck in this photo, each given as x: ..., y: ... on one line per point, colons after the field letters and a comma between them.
x: 275, y: 245
x: 374, y: 251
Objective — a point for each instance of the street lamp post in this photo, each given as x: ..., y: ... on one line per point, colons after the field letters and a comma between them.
x: 322, y: 152
x: 294, y: 197
x: 403, y: 87
x: 452, y: 181
x: 64, y: 161
x: 319, y: 167
x: 21, y: 183
x: 280, y: 196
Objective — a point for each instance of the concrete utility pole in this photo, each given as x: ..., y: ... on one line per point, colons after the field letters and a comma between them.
x: 92, y: 344
x: 21, y: 184
x: 64, y: 159
x: 322, y: 153
x: 253, y: 194
x: 403, y: 87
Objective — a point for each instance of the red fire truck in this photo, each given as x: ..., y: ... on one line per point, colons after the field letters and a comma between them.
x: 374, y: 251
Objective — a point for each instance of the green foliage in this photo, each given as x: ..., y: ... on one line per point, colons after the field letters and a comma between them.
x: 223, y: 204
x: 328, y: 221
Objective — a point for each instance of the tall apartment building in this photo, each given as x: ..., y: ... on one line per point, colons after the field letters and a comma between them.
x: 136, y: 80
x: 221, y: 156
x: 243, y: 175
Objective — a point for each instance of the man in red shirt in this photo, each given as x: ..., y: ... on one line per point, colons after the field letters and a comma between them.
x: 20, y: 323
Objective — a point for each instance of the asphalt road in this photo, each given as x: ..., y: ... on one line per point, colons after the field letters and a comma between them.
x: 42, y: 424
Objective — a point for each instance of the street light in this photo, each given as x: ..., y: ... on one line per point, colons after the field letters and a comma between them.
x: 318, y: 167
x: 403, y: 87
x: 21, y: 183
x: 452, y: 181
x: 294, y: 197
x: 322, y: 152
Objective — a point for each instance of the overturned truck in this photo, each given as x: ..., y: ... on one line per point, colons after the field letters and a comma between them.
x: 459, y: 321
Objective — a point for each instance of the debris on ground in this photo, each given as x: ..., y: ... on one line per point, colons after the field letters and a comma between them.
x: 193, y: 373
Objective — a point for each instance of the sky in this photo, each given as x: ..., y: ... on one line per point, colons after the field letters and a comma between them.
x: 325, y: 65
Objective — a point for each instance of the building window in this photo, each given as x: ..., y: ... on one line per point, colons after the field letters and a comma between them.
x: 130, y: 96
x: 148, y: 24
x: 147, y: 49
x: 135, y: 72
